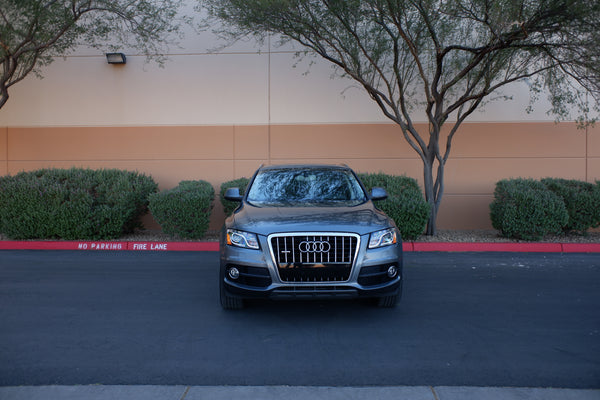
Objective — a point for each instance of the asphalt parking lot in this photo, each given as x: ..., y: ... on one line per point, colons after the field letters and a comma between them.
x: 466, y: 319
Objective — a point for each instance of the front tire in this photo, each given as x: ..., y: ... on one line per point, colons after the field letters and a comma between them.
x: 389, y: 301
x: 229, y: 302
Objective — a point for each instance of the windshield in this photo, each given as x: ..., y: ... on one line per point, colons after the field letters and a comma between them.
x: 305, y: 187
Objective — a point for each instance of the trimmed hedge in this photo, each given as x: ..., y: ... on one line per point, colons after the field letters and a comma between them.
x: 526, y: 209
x: 582, y: 200
x: 405, y: 203
x: 230, y: 206
x: 184, y: 211
x: 73, y: 203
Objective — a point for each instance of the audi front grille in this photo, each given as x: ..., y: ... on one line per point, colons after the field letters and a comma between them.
x: 314, y: 257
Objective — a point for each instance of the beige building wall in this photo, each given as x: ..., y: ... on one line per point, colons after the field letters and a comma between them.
x: 218, y: 115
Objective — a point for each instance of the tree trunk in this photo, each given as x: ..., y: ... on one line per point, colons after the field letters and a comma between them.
x: 434, y: 189
x: 430, y: 196
x: 3, y: 96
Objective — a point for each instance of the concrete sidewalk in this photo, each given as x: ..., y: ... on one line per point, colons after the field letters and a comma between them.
x: 100, y: 392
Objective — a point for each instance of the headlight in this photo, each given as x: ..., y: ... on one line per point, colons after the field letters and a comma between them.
x: 242, y: 239
x: 382, y: 238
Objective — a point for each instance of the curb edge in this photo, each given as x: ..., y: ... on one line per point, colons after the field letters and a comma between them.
x: 214, y: 246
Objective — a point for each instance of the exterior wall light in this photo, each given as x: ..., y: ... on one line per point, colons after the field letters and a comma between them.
x: 116, y: 58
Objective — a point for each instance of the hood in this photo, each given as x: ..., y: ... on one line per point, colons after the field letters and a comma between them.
x: 362, y: 219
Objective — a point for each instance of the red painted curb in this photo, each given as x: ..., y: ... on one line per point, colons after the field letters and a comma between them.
x: 508, y: 247
x: 581, y: 247
x: 214, y: 246
x: 174, y: 246
x: 62, y: 245
x: 408, y: 246
x: 108, y: 245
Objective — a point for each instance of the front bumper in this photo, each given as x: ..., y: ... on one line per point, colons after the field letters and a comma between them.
x: 259, y: 277
x: 313, y: 292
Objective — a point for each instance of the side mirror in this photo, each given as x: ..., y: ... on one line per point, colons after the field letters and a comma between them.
x: 378, y: 193
x: 233, y: 194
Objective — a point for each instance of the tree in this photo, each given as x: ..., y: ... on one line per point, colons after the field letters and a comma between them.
x: 34, y: 32
x: 446, y: 57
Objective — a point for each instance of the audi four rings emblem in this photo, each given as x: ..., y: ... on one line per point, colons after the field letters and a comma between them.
x: 316, y: 246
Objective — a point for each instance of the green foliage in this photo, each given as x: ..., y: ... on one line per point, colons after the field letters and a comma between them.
x: 184, y: 211
x: 582, y: 201
x: 73, y: 204
x: 444, y: 58
x: 526, y: 209
x: 393, y: 184
x: 463, y: 50
x: 230, y: 206
x: 529, y: 209
x: 34, y: 32
x: 405, y: 203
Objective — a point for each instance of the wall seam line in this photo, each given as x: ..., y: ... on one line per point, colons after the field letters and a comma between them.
x: 269, y: 101
x: 251, y: 159
x: 233, y: 158
x: 6, y: 153
x: 587, y: 154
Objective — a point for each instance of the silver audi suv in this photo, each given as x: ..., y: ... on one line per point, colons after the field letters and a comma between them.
x: 306, y: 232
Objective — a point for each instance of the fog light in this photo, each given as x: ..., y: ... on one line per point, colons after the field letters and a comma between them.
x: 392, y: 271
x: 234, y: 273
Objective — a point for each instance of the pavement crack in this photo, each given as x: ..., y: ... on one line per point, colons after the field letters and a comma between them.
x: 184, y: 395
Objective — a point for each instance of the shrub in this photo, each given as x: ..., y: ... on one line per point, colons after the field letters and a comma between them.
x: 184, y: 211
x: 582, y: 200
x: 230, y: 206
x: 393, y: 184
x: 526, y: 209
x: 405, y: 203
x: 73, y: 203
